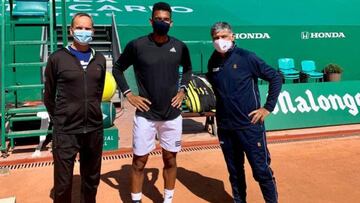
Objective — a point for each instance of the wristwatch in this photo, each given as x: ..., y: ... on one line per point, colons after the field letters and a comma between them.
x: 183, y: 88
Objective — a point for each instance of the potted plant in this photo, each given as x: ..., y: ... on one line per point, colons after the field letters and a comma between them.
x: 333, y: 72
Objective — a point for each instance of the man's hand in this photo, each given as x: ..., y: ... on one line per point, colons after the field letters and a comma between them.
x: 177, y: 100
x: 259, y: 115
x: 138, y: 102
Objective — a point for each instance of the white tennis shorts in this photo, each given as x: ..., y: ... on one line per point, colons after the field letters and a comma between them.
x: 168, y: 132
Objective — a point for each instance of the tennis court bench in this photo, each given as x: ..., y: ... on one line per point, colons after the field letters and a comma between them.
x: 210, y: 124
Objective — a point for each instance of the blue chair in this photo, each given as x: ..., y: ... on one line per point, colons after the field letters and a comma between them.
x: 287, y: 69
x: 308, y: 68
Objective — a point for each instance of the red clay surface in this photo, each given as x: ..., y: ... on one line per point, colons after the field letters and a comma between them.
x: 312, y: 171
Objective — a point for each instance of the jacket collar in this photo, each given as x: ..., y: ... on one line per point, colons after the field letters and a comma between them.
x: 93, y: 52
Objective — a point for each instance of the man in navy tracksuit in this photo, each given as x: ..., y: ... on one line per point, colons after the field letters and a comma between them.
x: 233, y: 73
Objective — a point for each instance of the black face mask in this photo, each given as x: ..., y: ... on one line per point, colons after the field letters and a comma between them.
x: 160, y: 27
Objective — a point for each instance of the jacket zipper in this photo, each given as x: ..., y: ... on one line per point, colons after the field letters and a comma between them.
x: 85, y: 91
x: 86, y: 101
x: 92, y: 56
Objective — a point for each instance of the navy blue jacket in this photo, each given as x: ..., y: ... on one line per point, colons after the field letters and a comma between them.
x: 234, y: 79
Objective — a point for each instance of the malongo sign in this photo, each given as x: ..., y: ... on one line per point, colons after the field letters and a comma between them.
x: 288, y: 104
x: 315, y: 104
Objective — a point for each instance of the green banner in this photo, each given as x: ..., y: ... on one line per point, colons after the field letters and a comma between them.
x: 315, y: 104
x: 272, y: 29
x: 323, y: 44
x: 241, y: 12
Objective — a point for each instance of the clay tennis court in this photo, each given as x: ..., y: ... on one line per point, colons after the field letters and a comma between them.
x: 324, y: 170
x: 311, y: 165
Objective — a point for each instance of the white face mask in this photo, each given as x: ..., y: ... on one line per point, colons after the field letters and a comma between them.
x: 222, y: 45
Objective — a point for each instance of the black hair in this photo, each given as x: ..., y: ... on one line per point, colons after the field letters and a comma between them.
x: 161, y: 6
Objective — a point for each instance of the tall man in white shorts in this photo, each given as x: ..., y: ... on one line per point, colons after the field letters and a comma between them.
x: 156, y: 59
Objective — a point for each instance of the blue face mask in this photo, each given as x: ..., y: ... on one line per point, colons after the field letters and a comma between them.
x: 83, y: 37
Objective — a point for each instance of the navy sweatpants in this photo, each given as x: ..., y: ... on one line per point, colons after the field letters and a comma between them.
x: 251, y: 142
